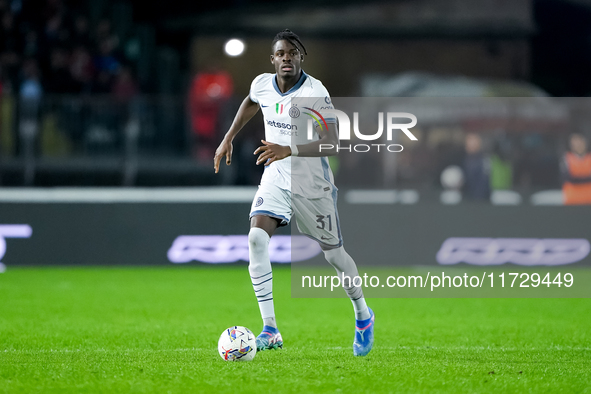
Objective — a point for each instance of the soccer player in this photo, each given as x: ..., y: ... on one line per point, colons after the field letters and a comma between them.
x: 311, y: 197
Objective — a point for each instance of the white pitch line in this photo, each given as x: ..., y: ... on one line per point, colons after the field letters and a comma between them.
x: 104, y: 350
x: 562, y: 348
x: 128, y: 195
x: 184, y: 350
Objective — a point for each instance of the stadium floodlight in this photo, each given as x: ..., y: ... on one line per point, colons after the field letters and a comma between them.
x: 234, y: 47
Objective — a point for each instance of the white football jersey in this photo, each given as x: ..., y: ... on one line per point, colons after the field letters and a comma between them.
x: 286, y: 123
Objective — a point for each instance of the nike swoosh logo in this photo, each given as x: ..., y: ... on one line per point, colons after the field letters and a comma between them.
x: 264, y: 106
x: 323, y: 237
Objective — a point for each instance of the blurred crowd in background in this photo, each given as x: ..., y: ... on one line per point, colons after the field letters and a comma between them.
x: 48, y: 47
x: 78, y: 84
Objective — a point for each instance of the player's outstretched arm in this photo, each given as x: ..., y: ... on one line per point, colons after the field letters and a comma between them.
x: 269, y: 152
x: 247, y: 110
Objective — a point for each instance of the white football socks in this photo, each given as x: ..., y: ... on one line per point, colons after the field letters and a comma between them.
x: 344, y: 265
x: 261, y: 274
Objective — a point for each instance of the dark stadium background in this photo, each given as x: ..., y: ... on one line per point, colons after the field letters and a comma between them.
x: 544, y: 43
x: 105, y: 116
x: 96, y: 119
x: 123, y: 256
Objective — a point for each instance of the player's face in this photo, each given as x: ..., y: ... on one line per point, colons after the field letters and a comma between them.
x: 287, y: 59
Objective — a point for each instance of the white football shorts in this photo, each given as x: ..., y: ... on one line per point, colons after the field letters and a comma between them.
x: 316, y: 218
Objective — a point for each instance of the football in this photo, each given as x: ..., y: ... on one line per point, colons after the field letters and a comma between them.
x: 237, y: 344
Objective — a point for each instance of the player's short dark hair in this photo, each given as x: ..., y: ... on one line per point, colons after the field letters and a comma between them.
x: 290, y: 37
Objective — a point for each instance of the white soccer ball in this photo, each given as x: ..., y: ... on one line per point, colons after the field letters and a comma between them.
x: 237, y: 344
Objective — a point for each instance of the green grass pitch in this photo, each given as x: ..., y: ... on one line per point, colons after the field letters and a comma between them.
x: 134, y: 330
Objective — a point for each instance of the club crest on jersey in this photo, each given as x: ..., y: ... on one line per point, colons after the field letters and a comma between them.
x: 279, y: 108
x: 259, y: 202
x: 294, y: 112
